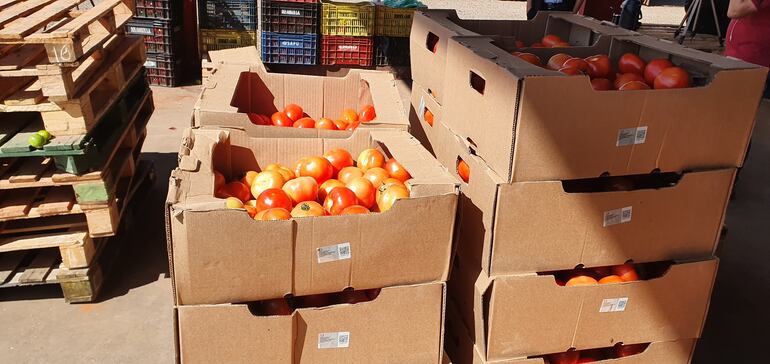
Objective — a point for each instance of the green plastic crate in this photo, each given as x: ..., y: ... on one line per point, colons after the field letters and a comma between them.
x: 348, y: 19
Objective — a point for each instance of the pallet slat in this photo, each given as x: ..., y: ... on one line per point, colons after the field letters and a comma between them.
x: 10, y: 263
x: 40, y: 267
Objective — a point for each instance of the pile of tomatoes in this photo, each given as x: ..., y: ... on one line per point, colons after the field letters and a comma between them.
x: 286, y: 305
x: 548, y: 41
x: 332, y: 184
x: 594, y: 355
x: 294, y: 116
x: 597, y: 275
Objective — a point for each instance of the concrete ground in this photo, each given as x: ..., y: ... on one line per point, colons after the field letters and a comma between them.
x: 131, y: 323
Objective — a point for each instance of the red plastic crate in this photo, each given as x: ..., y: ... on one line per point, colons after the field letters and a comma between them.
x: 339, y: 50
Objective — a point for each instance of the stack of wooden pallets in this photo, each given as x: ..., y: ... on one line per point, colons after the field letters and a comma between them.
x: 66, y: 66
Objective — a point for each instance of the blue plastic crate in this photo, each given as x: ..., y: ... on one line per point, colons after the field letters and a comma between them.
x: 228, y: 14
x: 282, y: 48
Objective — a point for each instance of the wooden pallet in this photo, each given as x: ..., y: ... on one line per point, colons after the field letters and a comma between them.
x: 94, y: 93
x: 704, y: 42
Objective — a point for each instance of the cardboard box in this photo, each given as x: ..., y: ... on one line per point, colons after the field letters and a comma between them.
x: 241, y: 84
x: 220, y: 255
x: 402, y: 325
x: 533, y: 124
x: 527, y: 315
x: 431, y: 30
x: 525, y: 227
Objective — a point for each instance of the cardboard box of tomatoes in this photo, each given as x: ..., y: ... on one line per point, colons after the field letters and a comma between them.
x: 402, y: 324
x: 531, y: 123
x: 322, y: 237
x: 242, y: 92
x: 431, y: 30
x: 523, y: 227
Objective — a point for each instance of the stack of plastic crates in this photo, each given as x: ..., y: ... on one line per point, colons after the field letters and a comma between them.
x: 159, y: 21
x: 347, y: 33
x: 290, y: 31
x: 227, y: 24
x: 392, y: 29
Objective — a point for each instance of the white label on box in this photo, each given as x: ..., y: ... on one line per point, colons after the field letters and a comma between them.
x: 421, y: 109
x: 333, y: 253
x: 632, y: 136
x: 291, y: 12
x: 613, y: 304
x: 617, y: 216
x: 151, y: 64
x: 333, y: 340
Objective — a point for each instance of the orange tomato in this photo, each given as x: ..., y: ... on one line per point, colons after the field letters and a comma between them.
x: 349, y: 173
x: 294, y: 112
x: 392, y: 181
x: 396, y: 170
x: 464, y: 170
x: 428, y: 117
x: 581, y: 280
x: 367, y: 113
x: 248, y: 178
x: 376, y: 176
x: 389, y: 195
x: 251, y: 210
x: 233, y: 203
x: 339, y: 158
x: 530, y: 58
x: 610, y: 279
x: 353, y: 125
x: 341, y: 124
x: 364, y: 190
x: 349, y: 115
x: 285, y: 172
x: 234, y: 189
x: 317, y: 167
x: 325, y: 123
x: 327, y: 187
x: 370, y: 158
x: 279, y: 118
x: 276, y: 213
x: 301, y: 189
x: 307, y: 123
x: 556, y: 62
x: 560, y: 45
x: 272, y: 198
x: 338, y: 199
x: 626, y: 272
x: 355, y: 209
x: 266, y: 180
x: 550, y: 39
x: 307, y: 209
x: 219, y: 180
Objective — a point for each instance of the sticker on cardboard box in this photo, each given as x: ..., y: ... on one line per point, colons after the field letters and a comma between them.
x: 333, y: 253
x: 421, y: 109
x: 333, y: 340
x: 614, y: 304
x: 618, y: 216
x: 632, y: 136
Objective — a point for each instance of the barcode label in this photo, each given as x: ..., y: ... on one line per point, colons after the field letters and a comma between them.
x: 618, y: 216
x: 333, y: 253
x: 632, y: 136
x: 333, y: 340
x: 613, y: 305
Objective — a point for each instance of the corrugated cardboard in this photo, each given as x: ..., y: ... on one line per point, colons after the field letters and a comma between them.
x: 241, y: 85
x: 524, y: 315
x: 533, y: 124
x: 526, y: 227
x: 438, y: 26
x: 221, y: 255
x: 401, y: 325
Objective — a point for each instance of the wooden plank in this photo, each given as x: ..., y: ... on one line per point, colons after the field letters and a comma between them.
x: 58, y: 201
x: 25, y: 55
x: 40, y: 267
x: 40, y: 241
x: 78, y: 255
x: 65, y: 142
x: 31, y: 170
x: 20, y: 28
x: 49, y: 223
x: 88, y: 17
x: 10, y: 263
x: 16, y: 205
x: 7, y: 3
x: 7, y: 164
x: 22, y: 9
x: 31, y: 94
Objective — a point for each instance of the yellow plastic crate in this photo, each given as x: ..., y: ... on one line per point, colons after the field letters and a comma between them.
x: 348, y: 19
x: 216, y: 39
x: 394, y: 22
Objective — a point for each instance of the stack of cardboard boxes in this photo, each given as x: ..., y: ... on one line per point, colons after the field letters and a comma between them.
x: 563, y: 177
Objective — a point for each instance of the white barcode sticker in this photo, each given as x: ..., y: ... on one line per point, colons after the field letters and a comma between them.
x: 333, y: 340
x: 618, y: 216
x: 333, y: 253
x: 632, y: 136
x: 614, y: 304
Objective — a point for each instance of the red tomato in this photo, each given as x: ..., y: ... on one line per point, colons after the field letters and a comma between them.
x: 353, y: 125
x: 557, y: 61
x: 234, y: 189
x: 347, y: 174
x: 569, y: 357
x: 389, y: 195
x: 338, y: 199
x: 341, y: 124
x: 258, y: 119
x: 305, y: 123
x: 560, y: 45
x: 339, y: 158
x: 273, y: 198
x: 277, y: 213
x: 627, y: 77
x: 672, y: 77
x: 602, y: 271
x: 549, y: 40
x: 537, y: 45
x: 571, y: 71
x: 307, y: 209
x: 622, y: 351
x: 301, y: 189
x: 327, y: 187
x: 349, y: 115
x: 530, y: 58
x: 396, y: 170
x: 634, y: 86
x: 251, y: 210
x: 294, y: 112
x: 354, y: 210
x: 325, y: 123
x: 367, y: 113
x: 279, y: 118
x: 601, y: 84
x: 370, y: 158
x: 376, y: 176
x: 265, y: 180
x: 317, y: 167
x: 581, y: 280
x: 631, y: 63
x: 654, y: 68
x: 599, y: 66
x: 428, y: 117
x: 364, y: 190
x: 626, y: 272
x: 219, y: 180
x: 464, y: 170
x: 578, y: 63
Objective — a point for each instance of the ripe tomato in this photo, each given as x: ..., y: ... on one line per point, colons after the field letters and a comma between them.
x: 569, y: 357
x: 301, y: 189
x: 557, y: 61
x: 370, y: 158
x: 364, y: 190
x: 625, y: 78
x: 602, y: 271
x: 234, y: 189
x: 307, y: 208
x: 327, y: 187
x: 279, y: 118
x: 219, y: 180
x: 396, y: 170
x: 464, y: 170
x: 294, y: 112
x: 273, y: 198
x: 622, y: 351
x: 325, y: 123
x: 571, y: 71
x: 601, y: 84
x: 578, y: 63
x: 251, y: 210
x: 284, y: 171
x: 672, y: 77
x: 349, y: 173
x: 654, y: 68
x: 633, y: 86
x: 550, y: 39
x: 266, y: 180
x: 581, y: 280
x: 626, y: 272
x: 610, y: 279
x: 560, y: 45
x: 274, y: 307
x: 392, y: 181
x: 631, y: 63
x: 259, y: 119
x: 530, y: 58
x: 317, y: 167
x: 599, y: 66
x: 349, y: 115
x: 376, y: 176
x: 367, y: 113
x: 355, y: 209
x: 537, y: 45
x: 338, y: 199
x: 341, y: 124
x: 389, y: 195
x: 233, y: 203
x: 248, y: 178
x: 339, y: 158
x: 305, y: 123
x: 353, y: 125
x: 277, y: 213
x: 428, y: 117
